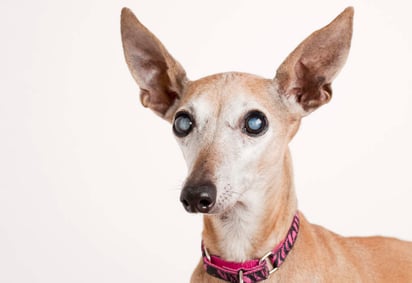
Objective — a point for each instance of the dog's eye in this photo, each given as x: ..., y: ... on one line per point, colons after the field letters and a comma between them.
x: 255, y: 123
x: 183, y: 124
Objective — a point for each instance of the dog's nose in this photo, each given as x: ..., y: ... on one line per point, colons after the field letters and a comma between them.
x: 198, y: 198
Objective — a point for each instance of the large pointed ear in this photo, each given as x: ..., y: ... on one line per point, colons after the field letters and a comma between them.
x: 160, y: 77
x: 304, y: 78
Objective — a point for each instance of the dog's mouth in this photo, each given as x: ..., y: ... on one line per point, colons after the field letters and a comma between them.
x: 225, y: 206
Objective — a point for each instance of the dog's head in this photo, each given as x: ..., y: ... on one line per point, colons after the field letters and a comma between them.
x: 234, y: 128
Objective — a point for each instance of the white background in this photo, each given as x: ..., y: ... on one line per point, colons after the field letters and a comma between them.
x: 89, y: 179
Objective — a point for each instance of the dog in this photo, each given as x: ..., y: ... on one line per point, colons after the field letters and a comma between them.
x: 234, y: 130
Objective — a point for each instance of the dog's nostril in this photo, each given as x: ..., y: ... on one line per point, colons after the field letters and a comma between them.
x: 204, y: 203
x: 185, y: 203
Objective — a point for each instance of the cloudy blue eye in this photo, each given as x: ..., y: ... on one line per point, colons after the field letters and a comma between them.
x: 255, y: 123
x: 183, y: 124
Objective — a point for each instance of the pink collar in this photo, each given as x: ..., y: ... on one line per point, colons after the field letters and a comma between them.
x: 254, y: 270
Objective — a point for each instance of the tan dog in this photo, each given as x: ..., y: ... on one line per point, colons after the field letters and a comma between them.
x: 234, y: 130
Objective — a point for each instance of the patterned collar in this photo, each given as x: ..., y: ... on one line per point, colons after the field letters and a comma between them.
x: 254, y: 270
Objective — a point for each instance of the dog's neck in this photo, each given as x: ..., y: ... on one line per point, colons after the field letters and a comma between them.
x: 258, y: 223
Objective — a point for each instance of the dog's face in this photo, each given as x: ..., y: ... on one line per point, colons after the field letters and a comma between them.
x: 234, y: 128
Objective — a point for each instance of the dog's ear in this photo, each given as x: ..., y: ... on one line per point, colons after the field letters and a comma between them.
x: 160, y: 77
x: 305, y: 77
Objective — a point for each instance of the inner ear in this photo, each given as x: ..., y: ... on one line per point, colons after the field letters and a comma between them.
x: 311, y: 90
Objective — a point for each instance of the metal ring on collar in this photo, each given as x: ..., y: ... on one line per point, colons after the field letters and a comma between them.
x: 265, y: 258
